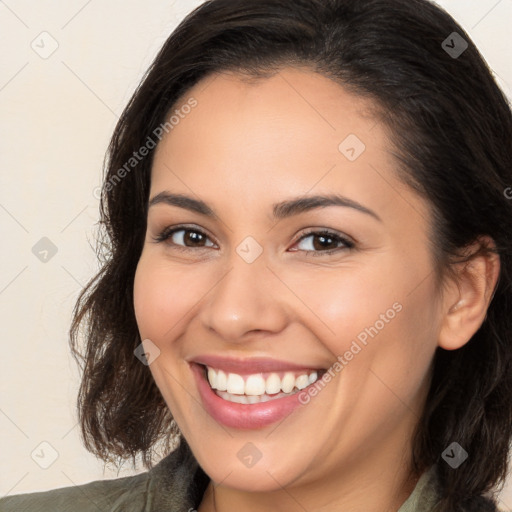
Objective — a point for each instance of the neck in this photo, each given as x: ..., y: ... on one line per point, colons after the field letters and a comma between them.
x: 377, y: 487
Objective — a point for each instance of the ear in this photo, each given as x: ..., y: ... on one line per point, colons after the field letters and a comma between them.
x: 467, y: 296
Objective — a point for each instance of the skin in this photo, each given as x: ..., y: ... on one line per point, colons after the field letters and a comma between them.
x: 246, y: 146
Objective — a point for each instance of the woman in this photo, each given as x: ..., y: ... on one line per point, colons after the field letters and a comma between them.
x: 307, y: 296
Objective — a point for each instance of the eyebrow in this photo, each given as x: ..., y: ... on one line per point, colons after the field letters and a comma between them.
x: 280, y: 210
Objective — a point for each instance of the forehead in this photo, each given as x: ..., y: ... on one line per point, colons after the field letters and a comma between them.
x: 297, y: 132
x: 280, y: 113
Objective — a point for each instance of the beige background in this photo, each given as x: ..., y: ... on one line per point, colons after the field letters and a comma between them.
x: 57, y: 114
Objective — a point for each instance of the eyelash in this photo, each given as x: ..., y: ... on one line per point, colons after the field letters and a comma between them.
x: 168, y: 232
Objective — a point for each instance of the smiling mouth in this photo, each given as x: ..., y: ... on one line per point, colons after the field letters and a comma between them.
x: 258, y: 387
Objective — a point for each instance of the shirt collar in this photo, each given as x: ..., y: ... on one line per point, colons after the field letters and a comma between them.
x: 177, y: 482
x: 426, y: 493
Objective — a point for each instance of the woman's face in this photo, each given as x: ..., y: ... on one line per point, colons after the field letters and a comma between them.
x: 245, y: 283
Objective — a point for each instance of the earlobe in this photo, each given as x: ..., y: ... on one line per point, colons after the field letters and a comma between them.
x: 468, y: 296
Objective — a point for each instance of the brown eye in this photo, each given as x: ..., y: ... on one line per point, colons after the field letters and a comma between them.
x: 325, y: 242
x: 185, y: 238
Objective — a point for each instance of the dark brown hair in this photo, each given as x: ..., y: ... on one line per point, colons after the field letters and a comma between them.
x: 451, y: 127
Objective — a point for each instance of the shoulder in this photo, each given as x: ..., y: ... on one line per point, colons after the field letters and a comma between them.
x: 104, y: 495
x: 176, y: 481
x: 427, y: 494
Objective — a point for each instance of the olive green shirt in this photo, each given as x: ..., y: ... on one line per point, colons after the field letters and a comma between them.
x: 176, y: 484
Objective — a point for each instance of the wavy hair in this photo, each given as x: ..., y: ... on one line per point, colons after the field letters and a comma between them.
x: 451, y: 129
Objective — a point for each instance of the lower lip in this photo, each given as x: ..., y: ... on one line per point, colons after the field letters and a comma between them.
x: 242, y: 416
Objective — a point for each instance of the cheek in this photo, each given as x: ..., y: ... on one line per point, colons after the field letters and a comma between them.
x: 149, y: 300
x: 162, y: 298
x: 382, y: 320
x: 395, y: 341
x: 346, y: 304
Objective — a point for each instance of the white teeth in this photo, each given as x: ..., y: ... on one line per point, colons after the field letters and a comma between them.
x: 288, y: 382
x: 211, y: 375
x: 302, y: 381
x: 244, y: 399
x: 222, y: 381
x: 235, y: 384
x: 238, y: 399
x: 273, y: 384
x: 256, y: 385
x: 253, y: 399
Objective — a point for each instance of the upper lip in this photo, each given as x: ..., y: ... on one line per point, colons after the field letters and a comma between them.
x: 249, y: 364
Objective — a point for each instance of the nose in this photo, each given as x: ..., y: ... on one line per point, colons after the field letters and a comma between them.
x: 247, y: 299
